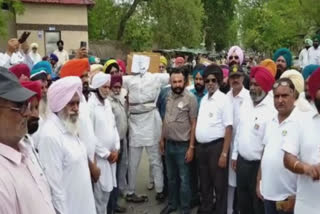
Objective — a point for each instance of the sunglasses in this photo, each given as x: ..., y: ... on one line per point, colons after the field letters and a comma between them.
x: 285, y: 84
x: 210, y: 80
x: 233, y: 57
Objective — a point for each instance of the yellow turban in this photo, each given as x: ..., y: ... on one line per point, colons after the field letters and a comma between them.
x: 163, y: 60
x: 296, y: 78
x: 109, y: 62
x: 270, y: 65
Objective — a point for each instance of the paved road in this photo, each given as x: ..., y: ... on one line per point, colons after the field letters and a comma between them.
x: 152, y: 206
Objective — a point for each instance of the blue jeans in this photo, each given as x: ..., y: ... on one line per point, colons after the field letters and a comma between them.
x: 178, y: 170
x: 270, y: 208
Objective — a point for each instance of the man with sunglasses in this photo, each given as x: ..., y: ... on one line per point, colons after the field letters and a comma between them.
x: 213, y: 134
x: 248, y: 147
x: 23, y: 188
x: 235, y: 56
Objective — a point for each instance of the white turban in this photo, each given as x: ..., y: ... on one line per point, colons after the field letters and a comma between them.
x: 34, y: 45
x: 296, y: 78
x: 61, y: 92
x: 100, y: 79
x: 238, y: 51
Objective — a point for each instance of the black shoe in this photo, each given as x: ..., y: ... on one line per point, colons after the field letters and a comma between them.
x: 120, y: 209
x: 136, y: 199
x: 160, y: 197
x: 167, y: 210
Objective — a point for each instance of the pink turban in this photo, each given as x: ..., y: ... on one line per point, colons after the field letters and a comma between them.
x: 122, y: 65
x: 34, y: 86
x: 263, y: 77
x: 238, y: 51
x: 179, y: 61
x: 61, y: 92
x: 314, y: 83
x: 20, y: 69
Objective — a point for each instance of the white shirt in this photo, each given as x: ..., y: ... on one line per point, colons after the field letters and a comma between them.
x: 8, y: 61
x: 215, y: 114
x: 63, y: 56
x: 65, y: 162
x: 314, y: 55
x: 303, y: 58
x: 144, y: 118
x: 307, y: 149
x: 35, y: 57
x: 277, y: 182
x: 86, y: 132
x: 237, y: 101
x: 105, y: 129
x: 251, y: 128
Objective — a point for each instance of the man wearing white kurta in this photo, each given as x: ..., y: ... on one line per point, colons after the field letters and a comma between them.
x: 314, y: 53
x: 238, y: 95
x: 62, y: 154
x: 108, y: 143
x: 303, y: 156
x: 144, y: 125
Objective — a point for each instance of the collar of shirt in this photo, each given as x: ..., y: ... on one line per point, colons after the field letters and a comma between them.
x: 195, y: 92
x: 290, y: 118
x: 215, y: 95
x: 176, y: 96
x: 12, y: 154
x: 265, y: 101
x: 242, y: 93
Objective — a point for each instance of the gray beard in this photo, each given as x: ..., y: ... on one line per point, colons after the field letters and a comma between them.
x: 71, y: 126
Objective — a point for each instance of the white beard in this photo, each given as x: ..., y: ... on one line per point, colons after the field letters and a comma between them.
x: 71, y: 126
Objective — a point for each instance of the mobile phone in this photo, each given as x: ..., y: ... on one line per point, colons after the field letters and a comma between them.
x: 83, y: 44
x: 24, y: 36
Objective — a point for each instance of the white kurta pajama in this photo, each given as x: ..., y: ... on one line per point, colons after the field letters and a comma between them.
x: 108, y: 140
x: 144, y: 124
x: 65, y: 162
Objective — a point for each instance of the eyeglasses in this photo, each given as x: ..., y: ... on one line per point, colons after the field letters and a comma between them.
x: 285, y: 84
x: 210, y: 80
x: 22, y: 110
x: 233, y: 57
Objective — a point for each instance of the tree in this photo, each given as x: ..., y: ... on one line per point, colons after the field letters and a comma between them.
x: 14, y: 7
x: 220, y: 25
x: 178, y: 23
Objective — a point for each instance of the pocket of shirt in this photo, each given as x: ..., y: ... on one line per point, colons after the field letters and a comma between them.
x: 182, y: 114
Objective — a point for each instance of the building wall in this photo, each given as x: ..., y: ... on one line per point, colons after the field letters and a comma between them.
x: 53, y: 14
x: 70, y: 20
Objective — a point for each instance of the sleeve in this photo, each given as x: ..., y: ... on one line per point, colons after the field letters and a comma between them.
x: 227, y: 112
x: 291, y: 139
x: 7, y: 198
x: 4, y: 60
x: 117, y: 139
x: 126, y: 81
x: 51, y: 158
x: 162, y: 78
x: 99, y: 150
x: 193, y: 113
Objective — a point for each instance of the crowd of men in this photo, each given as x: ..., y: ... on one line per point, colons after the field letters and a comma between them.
x: 72, y: 134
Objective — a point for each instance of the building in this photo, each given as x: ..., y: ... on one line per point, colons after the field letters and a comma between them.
x: 52, y: 20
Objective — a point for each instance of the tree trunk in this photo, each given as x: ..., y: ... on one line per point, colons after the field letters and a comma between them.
x: 126, y: 17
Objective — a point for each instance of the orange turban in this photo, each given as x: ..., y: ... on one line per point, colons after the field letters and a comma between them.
x: 270, y: 65
x: 75, y: 67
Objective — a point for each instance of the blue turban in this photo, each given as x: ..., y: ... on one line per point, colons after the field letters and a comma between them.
x: 285, y: 53
x: 308, y: 70
x: 54, y: 57
x: 42, y: 66
x: 198, y: 69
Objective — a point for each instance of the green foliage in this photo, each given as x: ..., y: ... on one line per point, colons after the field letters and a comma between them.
x: 178, y: 23
x: 221, y: 25
x: 269, y: 25
x: 172, y: 24
x: 15, y: 7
